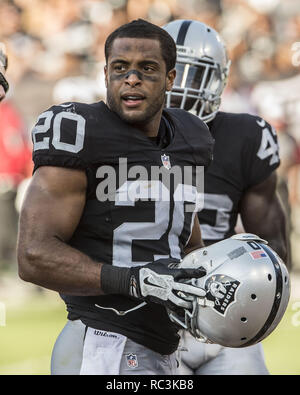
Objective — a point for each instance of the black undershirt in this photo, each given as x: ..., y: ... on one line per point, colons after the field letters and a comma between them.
x: 164, y: 135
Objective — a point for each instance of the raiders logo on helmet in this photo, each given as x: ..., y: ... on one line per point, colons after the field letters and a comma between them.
x: 221, y: 290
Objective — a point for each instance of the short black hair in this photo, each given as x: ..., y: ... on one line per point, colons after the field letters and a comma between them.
x: 143, y: 29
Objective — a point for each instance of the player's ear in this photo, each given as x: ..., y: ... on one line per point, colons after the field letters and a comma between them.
x: 171, y: 75
x: 105, y: 74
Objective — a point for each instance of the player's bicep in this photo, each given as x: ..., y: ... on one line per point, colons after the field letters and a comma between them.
x: 257, y: 201
x: 53, y: 204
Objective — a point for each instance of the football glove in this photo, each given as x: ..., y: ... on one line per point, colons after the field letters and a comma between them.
x: 3, y: 67
x: 4, y: 82
x: 159, y: 282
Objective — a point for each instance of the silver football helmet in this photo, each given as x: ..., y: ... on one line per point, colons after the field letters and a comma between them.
x: 202, y: 68
x: 247, y: 292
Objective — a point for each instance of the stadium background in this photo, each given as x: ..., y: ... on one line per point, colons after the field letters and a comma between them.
x: 55, y: 50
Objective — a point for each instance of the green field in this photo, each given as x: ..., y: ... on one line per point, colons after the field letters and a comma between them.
x: 27, y: 339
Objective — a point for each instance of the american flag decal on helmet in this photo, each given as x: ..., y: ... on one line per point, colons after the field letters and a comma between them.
x: 258, y: 254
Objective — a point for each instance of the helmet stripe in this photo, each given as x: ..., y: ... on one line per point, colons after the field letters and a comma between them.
x: 182, y: 32
x: 277, y: 299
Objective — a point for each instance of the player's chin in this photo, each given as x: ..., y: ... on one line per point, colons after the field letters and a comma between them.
x: 134, y: 115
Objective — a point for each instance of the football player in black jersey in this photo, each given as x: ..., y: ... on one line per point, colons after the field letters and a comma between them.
x: 3, y: 66
x: 240, y: 180
x: 99, y: 227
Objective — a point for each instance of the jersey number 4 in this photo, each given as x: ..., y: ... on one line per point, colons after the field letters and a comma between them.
x: 268, y: 146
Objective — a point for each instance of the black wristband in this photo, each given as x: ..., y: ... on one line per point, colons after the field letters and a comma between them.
x: 4, y: 82
x: 115, y: 280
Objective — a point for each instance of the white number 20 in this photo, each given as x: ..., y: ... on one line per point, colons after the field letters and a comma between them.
x: 56, y: 140
x: 127, y: 232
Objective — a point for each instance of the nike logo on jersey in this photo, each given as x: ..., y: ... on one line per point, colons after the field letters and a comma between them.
x: 261, y: 123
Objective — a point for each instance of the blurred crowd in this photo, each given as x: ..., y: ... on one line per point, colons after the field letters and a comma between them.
x: 55, y: 51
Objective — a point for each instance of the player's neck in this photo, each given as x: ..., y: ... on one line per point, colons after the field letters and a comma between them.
x: 150, y: 128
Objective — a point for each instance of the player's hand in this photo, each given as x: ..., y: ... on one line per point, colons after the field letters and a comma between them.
x: 158, y: 282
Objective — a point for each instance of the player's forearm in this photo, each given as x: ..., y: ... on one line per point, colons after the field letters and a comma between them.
x: 276, y: 234
x: 195, y: 240
x: 280, y: 246
x: 276, y: 239
x: 191, y: 248
x: 270, y: 224
x: 55, y: 265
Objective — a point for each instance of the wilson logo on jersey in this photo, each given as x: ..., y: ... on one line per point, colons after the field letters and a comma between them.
x: 221, y: 290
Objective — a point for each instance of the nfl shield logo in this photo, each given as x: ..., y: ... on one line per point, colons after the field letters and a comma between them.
x: 166, y: 161
x: 132, y: 361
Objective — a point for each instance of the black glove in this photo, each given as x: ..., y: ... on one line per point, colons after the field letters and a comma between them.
x: 158, y: 282
x: 4, y: 82
x: 3, y: 67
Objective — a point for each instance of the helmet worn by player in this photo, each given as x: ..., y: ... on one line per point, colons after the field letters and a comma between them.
x: 247, y: 292
x: 202, y: 68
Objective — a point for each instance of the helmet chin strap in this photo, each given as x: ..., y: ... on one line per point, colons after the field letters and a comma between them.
x: 190, y: 317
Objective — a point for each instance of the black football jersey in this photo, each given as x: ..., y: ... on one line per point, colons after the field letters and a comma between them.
x: 245, y: 153
x: 134, y: 213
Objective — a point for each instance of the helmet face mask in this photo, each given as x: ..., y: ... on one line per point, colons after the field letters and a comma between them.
x: 202, y: 69
x: 247, y: 292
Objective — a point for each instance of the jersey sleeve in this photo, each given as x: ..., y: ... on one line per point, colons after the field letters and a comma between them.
x: 59, y: 138
x: 260, y: 152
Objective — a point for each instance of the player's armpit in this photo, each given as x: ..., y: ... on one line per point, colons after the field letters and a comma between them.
x: 195, y: 240
x: 51, y: 212
x: 262, y: 214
